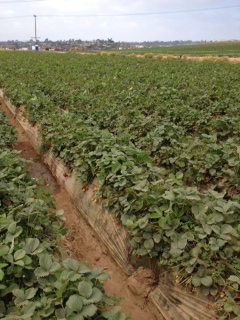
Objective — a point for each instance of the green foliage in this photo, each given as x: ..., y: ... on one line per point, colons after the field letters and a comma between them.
x: 221, y: 49
x: 35, y: 283
x: 148, y: 55
x: 161, y: 138
x: 7, y: 134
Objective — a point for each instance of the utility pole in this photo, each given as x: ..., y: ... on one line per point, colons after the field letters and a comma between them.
x: 35, y: 18
x: 36, y: 46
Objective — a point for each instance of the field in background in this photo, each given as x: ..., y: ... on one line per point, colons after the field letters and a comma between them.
x: 221, y: 49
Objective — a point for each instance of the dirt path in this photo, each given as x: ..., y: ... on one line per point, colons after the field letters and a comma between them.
x: 83, y: 244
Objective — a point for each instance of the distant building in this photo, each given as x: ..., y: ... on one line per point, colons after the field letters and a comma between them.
x: 35, y: 47
x: 11, y: 47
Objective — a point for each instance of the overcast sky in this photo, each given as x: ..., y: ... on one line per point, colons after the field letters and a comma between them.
x: 121, y: 20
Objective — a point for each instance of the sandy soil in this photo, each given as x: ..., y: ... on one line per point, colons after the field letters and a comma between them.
x: 229, y: 59
x: 195, y: 58
x: 83, y: 244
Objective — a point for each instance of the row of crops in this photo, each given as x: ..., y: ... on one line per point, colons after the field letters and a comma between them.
x: 221, y: 49
x: 162, y: 137
x: 35, y: 283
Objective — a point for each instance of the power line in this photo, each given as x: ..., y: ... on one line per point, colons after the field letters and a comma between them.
x: 15, y: 17
x: 119, y: 14
x: 20, y: 1
x: 140, y: 14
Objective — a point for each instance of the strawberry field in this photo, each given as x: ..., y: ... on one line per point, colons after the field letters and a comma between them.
x: 220, y: 49
x: 35, y: 283
x: 162, y: 137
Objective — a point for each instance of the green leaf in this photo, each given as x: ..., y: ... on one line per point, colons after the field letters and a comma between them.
x: 89, y: 310
x: 214, y: 247
x: 85, y: 289
x: 8, y: 289
x: 189, y: 269
x: 179, y: 175
x: 97, y: 273
x: 129, y: 223
x: 215, y: 228
x: 193, y: 197
x: 196, y: 251
x: 175, y: 252
x: 19, y: 263
x: 110, y: 314
x: 238, y: 151
x: 75, y: 303
x: 30, y: 293
x: 41, y: 272
x: 147, y: 235
x: 29, y: 309
x: 11, y: 236
x: 212, y: 171
x: 19, y: 293
x: 182, y: 243
x: 220, y: 209
x: 228, y: 252
x: 207, y: 228
x: 148, y: 244
x: 4, y: 250
x: 96, y: 295
x: 19, y: 254
x: 228, y: 307
x: 202, y: 271
x: 116, y: 166
x: 234, y: 278
x: 60, y: 314
x: 12, y: 227
x: 1, y: 274
x: 141, y: 186
x: 196, y: 281
x: 221, y: 242
x: 169, y: 195
x: 45, y: 261
x: 162, y: 222
x: 31, y: 246
x: 213, y: 291
x: 215, y: 218
x: 83, y: 269
x: 159, y: 212
x: 77, y: 317
x: 54, y: 267
x: 157, y: 237
x: 227, y: 206
x: 103, y: 277
x: 204, y: 291
x: 143, y: 222
x: 226, y: 229
x: 72, y: 264
x: 207, y: 281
